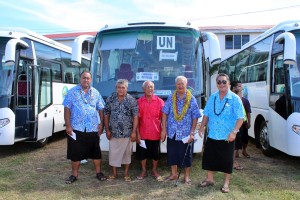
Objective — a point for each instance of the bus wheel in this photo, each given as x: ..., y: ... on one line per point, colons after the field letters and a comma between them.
x: 41, y: 143
x: 264, y: 140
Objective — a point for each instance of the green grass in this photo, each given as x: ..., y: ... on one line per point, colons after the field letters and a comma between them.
x: 29, y: 173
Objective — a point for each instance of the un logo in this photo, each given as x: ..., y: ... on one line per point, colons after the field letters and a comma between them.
x: 64, y: 91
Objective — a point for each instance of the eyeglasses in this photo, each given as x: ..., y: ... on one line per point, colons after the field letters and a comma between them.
x: 219, y: 82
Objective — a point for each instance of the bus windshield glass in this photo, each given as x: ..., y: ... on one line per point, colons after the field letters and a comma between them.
x: 157, y: 54
x: 294, y: 71
x: 6, y: 76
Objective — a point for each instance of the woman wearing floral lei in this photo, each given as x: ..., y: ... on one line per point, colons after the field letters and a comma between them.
x: 180, y: 116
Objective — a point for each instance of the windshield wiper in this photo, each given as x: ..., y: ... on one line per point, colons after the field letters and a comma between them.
x: 135, y: 92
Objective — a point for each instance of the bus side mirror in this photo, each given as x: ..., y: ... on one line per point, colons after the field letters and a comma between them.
x: 289, y: 41
x: 10, y: 50
x: 214, y: 47
x: 77, y: 48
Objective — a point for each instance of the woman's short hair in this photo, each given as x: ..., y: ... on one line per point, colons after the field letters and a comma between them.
x: 182, y: 78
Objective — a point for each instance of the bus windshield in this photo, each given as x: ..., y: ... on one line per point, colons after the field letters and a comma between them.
x: 6, y: 77
x: 294, y: 71
x: 157, y: 54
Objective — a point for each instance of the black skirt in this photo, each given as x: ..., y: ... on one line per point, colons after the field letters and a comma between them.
x: 86, y: 146
x: 218, y: 156
x: 179, y: 154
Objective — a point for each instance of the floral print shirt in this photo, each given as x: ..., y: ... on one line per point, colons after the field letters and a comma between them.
x: 84, y: 108
x: 180, y: 128
x: 223, y: 114
x: 121, y: 115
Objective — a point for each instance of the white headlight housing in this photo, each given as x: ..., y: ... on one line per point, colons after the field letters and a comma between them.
x: 296, y: 129
x: 4, y: 122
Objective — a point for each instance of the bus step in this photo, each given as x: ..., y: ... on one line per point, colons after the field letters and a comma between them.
x: 21, y: 139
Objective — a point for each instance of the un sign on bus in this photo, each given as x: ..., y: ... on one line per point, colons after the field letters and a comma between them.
x: 165, y: 42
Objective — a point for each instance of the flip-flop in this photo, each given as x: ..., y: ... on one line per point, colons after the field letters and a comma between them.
x: 188, y: 182
x: 246, y: 155
x: 127, y: 178
x: 206, y: 183
x: 170, y: 178
x: 111, y: 178
x: 157, y: 177
x: 100, y: 176
x: 238, y: 167
x: 225, y: 189
x: 71, y: 179
x: 142, y: 176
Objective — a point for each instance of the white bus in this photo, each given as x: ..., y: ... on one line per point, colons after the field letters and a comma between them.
x: 35, y: 75
x: 268, y: 66
x: 156, y: 51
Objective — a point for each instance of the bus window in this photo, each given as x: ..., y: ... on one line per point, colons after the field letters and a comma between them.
x: 242, y: 62
x: 56, y: 72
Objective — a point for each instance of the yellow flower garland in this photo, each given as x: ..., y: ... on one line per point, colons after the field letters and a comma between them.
x: 185, y: 107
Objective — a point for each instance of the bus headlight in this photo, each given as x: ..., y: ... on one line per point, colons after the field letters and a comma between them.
x: 4, y: 122
x: 296, y: 129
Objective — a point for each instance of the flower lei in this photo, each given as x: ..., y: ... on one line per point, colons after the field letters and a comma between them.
x: 84, y: 100
x: 185, y: 107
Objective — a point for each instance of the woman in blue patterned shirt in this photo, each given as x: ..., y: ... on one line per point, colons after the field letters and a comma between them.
x: 180, y: 116
x: 224, y: 116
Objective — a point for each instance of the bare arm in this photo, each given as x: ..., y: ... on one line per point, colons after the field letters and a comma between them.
x: 194, y: 124
x: 67, y: 114
x: 163, y: 127
x: 106, y: 124
x: 232, y: 135
x: 203, y: 125
x: 135, y: 124
x: 248, y: 120
x: 101, y: 125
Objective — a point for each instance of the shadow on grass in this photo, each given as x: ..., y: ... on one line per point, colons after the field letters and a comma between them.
x: 27, y: 147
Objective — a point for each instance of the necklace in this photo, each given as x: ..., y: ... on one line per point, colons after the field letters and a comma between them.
x: 222, y: 108
x: 83, y: 98
x: 185, y: 107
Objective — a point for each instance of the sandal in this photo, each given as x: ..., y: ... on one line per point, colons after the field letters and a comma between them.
x: 111, y: 178
x: 188, y: 182
x: 225, y: 189
x: 246, y: 155
x: 100, y: 176
x: 206, y: 183
x: 238, y: 167
x: 141, y: 176
x: 127, y: 178
x: 158, y: 177
x: 71, y: 179
x: 170, y: 178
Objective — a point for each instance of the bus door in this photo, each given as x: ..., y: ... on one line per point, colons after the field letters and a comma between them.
x: 24, y: 112
x: 44, y: 102
x: 278, y: 100
x: 278, y: 104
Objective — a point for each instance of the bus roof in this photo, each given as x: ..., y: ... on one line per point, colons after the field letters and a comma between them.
x: 17, y: 32
x: 283, y: 26
x: 288, y: 25
x: 150, y: 23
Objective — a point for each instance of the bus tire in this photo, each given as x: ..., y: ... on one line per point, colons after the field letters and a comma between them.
x: 264, y: 140
x: 41, y: 143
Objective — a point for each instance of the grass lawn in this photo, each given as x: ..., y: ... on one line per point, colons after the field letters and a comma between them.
x: 29, y: 173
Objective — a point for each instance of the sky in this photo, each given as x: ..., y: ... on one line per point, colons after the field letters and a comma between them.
x: 65, y: 16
